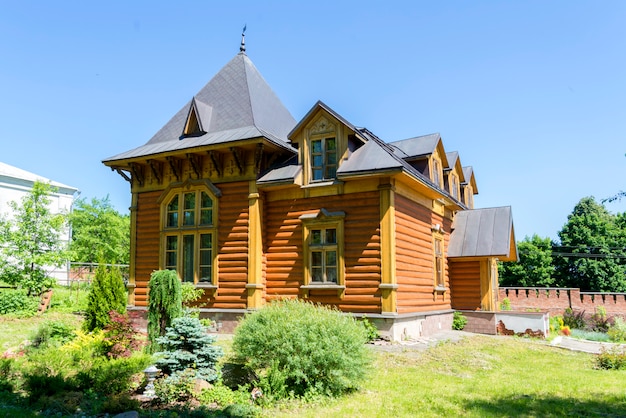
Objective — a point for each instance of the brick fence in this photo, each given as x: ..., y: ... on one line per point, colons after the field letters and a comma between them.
x: 556, y: 300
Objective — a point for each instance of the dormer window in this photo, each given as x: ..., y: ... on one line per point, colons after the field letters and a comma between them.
x: 436, y: 172
x: 323, y: 159
x: 468, y: 194
x: 454, y: 186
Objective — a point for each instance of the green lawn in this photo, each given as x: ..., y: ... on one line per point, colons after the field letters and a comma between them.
x: 480, y: 377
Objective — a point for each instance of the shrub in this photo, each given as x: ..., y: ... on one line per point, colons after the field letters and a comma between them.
x: 599, y: 320
x: 107, y: 294
x: 223, y: 395
x: 505, y: 305
x: 178, y: 387
x: 612, y: 359
x: 18, y: 302
x: 120, y: 339
x: 458, y: 321
x: 371, y: 331
x: 186, y: 345
x: 164, y: 303
x: 53, y: 333
x: 574, y: 319
x: 301, y: 349
x: 7, y: 375
x: 114, y: 376
x: 617, y: 331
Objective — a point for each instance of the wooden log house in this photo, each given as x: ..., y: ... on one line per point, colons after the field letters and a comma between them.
x: 252, y: 206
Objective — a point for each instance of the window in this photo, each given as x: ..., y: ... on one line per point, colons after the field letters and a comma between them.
x: 438, y: 265
x: 454, y: 186
x: 188, y: 235
x: 323, y: 159
x: 436, y: 172
x: 468, y: 194
x: 323, y: 249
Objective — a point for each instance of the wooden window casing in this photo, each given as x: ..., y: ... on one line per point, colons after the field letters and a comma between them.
x: 323, y: 247
x: 189, y: 235
x: 323, y: 158
x: 439, y: 277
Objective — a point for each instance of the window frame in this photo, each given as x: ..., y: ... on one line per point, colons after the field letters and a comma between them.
x: 453, y: 181
x: 439, y: 265
x: 182, y: 231
x: 323, y: 220
x: 324, y: 153
x: 437, y: 172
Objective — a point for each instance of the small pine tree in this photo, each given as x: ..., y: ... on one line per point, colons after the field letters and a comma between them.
x: 164, y: 303
x: 107, y: 294
x: 186, y: 345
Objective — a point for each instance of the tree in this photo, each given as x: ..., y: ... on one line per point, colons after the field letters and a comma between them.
x: 534, y: 267
x: 107, y: 294
x: 186, y: 345
x: 31, y: 241
x: 592, y: 243
x: 99, y: 232
x: 164, y: 303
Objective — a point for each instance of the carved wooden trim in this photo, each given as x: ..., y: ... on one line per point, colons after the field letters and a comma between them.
x: 157, y: 169
x: 138, y: 173
x: 122, y: 173
x: 176, y: 167
x: 238, y: 158
x: 217, y: 163
x: 196, y: 164
x: 322, y: 126
x: 258, y: 157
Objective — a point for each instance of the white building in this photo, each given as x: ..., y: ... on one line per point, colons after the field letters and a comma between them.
x: 16, y: 183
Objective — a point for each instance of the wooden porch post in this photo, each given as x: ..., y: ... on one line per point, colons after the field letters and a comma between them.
x: 255, y: 249
x: 388, y: 284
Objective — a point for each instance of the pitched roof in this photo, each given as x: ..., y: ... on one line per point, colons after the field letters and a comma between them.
x: 483, y: 233
x: 9, y: 173
x: 236, y: 104
x: 418, y: 146
x: 468, y: 174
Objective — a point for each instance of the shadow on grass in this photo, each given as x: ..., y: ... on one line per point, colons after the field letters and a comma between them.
x: 550, y: 406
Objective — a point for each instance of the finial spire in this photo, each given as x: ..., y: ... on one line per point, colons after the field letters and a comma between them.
x: 242, y: 48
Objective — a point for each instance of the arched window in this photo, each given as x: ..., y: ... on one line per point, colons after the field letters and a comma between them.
x: 189, y: 235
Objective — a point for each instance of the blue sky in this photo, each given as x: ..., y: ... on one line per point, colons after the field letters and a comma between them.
x: 531, y: 94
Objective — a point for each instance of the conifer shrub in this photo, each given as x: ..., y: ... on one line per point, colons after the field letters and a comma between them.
x: 187, y: 345
x: 107, y: 294
x: 164, y: 304
x: 300, y: 349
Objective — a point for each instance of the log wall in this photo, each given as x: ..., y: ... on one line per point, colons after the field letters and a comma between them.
x: 283, y: 249
x: 232, y: 261
x: 414, y: 257
x: 465, y: 285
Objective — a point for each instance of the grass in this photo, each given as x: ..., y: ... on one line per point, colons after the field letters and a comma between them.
x: 479, y: 377
x: 64, y: 306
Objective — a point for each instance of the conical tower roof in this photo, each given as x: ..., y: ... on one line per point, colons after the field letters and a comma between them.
x: 236, y: 104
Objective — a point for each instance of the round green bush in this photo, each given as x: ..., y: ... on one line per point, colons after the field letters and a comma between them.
x: 300, y: 349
